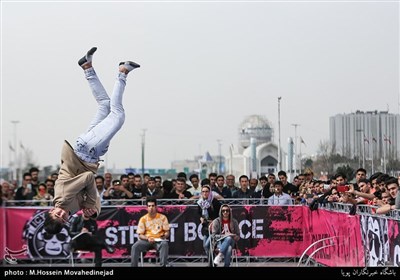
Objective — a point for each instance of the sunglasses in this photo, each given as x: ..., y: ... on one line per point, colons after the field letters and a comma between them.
x: 225, y: 211
x: 60, y: 236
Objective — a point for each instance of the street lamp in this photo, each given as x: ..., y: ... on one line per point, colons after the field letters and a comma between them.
x: 219, y: 154
x: 363, y: 147
x: 295, y: 147
x: 279, y: 134
x: 15, y: 150
x: 143, y: 144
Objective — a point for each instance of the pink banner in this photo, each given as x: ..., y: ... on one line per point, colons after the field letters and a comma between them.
x: 2, y: 232
x: 342, y: 245
x: 16, y: 220
x: 277, y: 231
x: 394, y: 239
x: 265, y: 231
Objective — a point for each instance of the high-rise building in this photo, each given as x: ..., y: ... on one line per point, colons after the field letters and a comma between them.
x: 366, y: 134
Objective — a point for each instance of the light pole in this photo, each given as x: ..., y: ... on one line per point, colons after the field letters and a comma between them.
x: 15, y: 150
x: 143, y: 145
x: 279, y: 134
x: 219, y: 156
x: 362, y: 147
x: 295, y: 147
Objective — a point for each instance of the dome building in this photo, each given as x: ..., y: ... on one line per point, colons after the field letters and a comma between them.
x: 256, y: 154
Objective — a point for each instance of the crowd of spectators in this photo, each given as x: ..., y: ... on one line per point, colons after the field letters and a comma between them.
x: 379, y: 190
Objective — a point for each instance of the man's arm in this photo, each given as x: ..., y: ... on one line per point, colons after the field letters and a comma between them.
x: 92, y: 201
x: 384, y: 209
x: 75, y: 228
x: 165, y: 235
x: 128, y: 193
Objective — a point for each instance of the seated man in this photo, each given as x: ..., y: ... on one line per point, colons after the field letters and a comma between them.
x: 153, y: 232
x: 84, y: 231
x: 225, y: 230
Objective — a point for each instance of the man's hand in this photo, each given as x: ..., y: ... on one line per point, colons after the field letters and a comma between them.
x: 165, y: 235
x: 89, y: 212
x: 85, y: 230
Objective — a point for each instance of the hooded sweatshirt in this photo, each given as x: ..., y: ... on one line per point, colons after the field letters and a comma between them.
x: 218, y: 224
x: 75, y: 187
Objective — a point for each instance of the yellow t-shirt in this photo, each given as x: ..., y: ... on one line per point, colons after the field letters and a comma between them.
x: 153, y: 227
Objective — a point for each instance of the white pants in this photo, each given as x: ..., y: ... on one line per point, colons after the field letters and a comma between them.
x: 109, y: 118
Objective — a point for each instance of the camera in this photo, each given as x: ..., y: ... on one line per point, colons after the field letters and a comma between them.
x: 343, y: 188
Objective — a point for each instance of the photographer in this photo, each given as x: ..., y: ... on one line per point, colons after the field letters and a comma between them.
x: 84, y: 231
x: 366, y: 194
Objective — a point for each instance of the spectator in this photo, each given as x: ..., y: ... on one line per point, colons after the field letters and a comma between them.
x: 25, y: 192
x: 279, y: 197
x: 84, y: 232
x: 50, y: 186
x: 225, y: 229
x: 151, y: 190
x: 230, y: 183
x: 180, y: 191
x: 153, y: 232
x: 208, y: 208
x: 244, y: 191
x: 43, y: 196
x: 195, y: 190
x: 34, y: 171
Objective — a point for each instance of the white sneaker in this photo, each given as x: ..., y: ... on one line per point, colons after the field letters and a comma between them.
x: 218, y: 259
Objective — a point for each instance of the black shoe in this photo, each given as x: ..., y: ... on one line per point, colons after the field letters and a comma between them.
x: 88, y: 57
x: 110, y: 249
x: 129, y: 65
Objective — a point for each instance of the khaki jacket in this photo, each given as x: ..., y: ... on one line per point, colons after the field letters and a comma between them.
x: 75, y: 187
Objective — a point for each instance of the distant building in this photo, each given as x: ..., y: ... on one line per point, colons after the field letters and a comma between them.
x: 366, y: 134
x: 202, y: 165
x: 255, y: 155
x: 256, y: 160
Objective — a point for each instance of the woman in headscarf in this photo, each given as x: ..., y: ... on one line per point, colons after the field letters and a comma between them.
x: 208, y: 207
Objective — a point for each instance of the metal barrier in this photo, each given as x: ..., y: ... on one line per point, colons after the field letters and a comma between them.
x: 362, y: 209
x: 331, y: 239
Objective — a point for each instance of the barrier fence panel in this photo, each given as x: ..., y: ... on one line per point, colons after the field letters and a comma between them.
x: 265, y: 231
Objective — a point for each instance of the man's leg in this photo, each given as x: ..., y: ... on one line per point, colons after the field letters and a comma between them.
x: 107, y: 128
x: 162, y: 248
x: 98, y: 91
x: 206, y: 246
x: 226, y: 249
x: 137, y: 248
x: 97, y: 256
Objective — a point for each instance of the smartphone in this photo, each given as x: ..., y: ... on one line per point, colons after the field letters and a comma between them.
x: 343, y: 188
